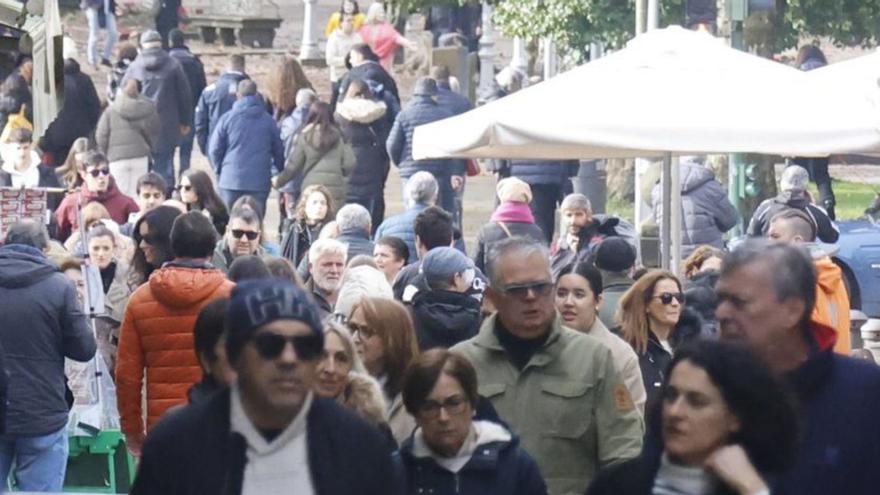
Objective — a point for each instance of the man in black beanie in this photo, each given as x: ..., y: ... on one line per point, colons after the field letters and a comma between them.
x: 615, y: 258
x: 269, y: 433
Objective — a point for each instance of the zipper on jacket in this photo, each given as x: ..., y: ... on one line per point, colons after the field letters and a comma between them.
x: 457, y: 483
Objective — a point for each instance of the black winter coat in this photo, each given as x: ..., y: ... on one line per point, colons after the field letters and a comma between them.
x: 826, y: 230
x: 655, y: 360
x: 365, y: 128
x: 15, y: 92
x: 420, y: 110
x: 444, y: 318
x: 542, y: 172
x: 78, y: 116
x: 369, y: 71
x: 194, y: 452
x: 495, y: 468
x: 194, y: 70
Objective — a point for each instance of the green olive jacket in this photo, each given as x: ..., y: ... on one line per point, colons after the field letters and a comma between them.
x: 570, y: 408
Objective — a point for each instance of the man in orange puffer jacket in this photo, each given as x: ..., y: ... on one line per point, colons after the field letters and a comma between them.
x: 832, y: 301
x: 157, y: 331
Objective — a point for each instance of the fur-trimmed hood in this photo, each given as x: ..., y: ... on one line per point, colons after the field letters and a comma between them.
x: 361, y: 110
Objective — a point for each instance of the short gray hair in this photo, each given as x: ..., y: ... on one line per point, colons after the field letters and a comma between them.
x: 523, y: 246
x: 305, y: 97
x: 353, y: 216
x: 326, y: 246
x: 793, y: 273
x: 247, y: 87
x: 28, y: 233
x: 576, y: 201
x: 421, y: 188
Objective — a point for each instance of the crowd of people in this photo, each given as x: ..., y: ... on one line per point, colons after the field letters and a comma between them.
x: 549, y: 361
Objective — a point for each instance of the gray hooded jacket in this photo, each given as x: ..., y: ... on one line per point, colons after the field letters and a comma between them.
x: 129, y: 128
x: 42, y: 324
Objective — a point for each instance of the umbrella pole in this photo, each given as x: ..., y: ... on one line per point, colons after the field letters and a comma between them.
x: 675, y: 214
x: 666, y: 220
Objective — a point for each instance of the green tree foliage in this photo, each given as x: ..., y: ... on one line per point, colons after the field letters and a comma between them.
x: 845, y: 22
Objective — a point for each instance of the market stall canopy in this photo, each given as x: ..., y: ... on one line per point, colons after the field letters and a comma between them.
x: 670, y: 90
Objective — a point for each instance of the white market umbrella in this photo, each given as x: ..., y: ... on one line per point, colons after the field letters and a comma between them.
x: 670, y: 90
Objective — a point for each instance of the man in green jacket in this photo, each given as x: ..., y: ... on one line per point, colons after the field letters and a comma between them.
x: 557, y: 388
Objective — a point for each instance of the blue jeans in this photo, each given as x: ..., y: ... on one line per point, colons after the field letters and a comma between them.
x: 163, y: 164
x: 40, y: 462
x: 94, y: 29
x: 186, y: 150
x: 230, y: 196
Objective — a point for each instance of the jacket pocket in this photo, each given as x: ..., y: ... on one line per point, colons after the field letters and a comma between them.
x: 491, y: 390
x: 566, y: 408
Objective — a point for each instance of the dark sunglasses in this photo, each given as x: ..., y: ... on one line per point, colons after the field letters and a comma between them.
x: 522, y: 291
x: 251, y: 235
x: 184, y: 188
x: 270, y: 345
x: 99, y: 171
x: 667, y: 297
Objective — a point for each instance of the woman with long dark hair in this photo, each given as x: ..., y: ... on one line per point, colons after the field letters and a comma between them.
x: 198, y: 194
x: 152, y: 238
x: 725, y: 426
x: 362, y: 120
x: 321, y: 154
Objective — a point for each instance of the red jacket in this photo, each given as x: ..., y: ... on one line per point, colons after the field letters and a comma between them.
x: 157, y: 336
x: 119, y: 205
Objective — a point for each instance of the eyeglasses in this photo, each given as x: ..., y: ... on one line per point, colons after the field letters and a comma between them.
x: 184, y: 188
x: 95, y: 172
x: 667, y: 297
x: 270, y: 345
x: 454, y: 405
x: 251, y: 235
x: 363, y: 330
x: 521, y: 291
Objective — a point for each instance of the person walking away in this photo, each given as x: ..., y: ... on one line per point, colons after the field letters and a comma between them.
x: 166, y: 16
x: 423, y: 109
x: 362, y: 120
x: 217, y: 99
x: 706, y: 212
x: 43, y: 324
x: 339, y: 44
x: 246, y: 149
x: 78, y: 115
x: 810, y: 57
x: 615, y: 259
x: 155, y: 341
x: 420, y: 193
x: 268, y: 433
x: 127, y: 132
x: 163, y: 81
x: 195, y: 75
x: 125, y: 54
x: 513, y: 217
x: 767, y: 293
x: 794, y: 195
x: 536, y: 373
x: 101, y: 14
x: 450, y: 451
x: 321, y: 154
x: 98, y: 185
x: 832, y: 300
x: 365, y: 66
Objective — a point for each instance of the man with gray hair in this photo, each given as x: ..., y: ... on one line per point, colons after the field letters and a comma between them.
x: 421, y: 192
x: 246, y: 149
x: 580, y: 232
x: 354, y: 224
x: 217, y: 99
x: 163, y: 81
x: 793, y: 185
x: 558, y: 388
x: 766, y: 294
x: 326, y: 262
x: 43, y: 324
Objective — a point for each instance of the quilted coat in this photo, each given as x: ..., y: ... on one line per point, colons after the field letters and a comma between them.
x: 156, y: 335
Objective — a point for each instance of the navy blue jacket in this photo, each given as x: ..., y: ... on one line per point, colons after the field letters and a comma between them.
x: 444, y: 318
x: 420, y: 110
x: 401, y: 226
x: 246, y: 147
x: 449, y: 99
x: 194, y: 452
x: 194, y: 70
x: 542, y: 172
x: 42, y: 323
x: 364, y: 124
x: 494, y: 468
x: 216, y: 100
x: 840, y: 450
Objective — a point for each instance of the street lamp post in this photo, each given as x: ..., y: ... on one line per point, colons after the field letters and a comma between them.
x: 309, y: 51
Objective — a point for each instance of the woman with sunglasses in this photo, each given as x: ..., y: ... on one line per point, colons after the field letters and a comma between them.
x: 197, y: 192
x: 650, y: 317
x: 725, y: 426
x: 152, y: 238
x: 386, y: 342
x: 451, y: 452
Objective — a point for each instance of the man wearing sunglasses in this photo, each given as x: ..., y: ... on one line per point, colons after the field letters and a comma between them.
x: 155, y: 340
x: 555, y: 386
x: 242, y: 238
x: 98, y: 186
x: 269, y: 433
